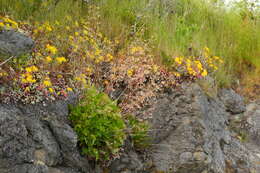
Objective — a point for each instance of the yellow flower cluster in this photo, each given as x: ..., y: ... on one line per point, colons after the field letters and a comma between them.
x: 109, y: 57
x: 85, y: 49
x: 198, y: 66
x: 130, y: 72
x: 69, y: 89
x: 31, y: 69
x: 136, y: 49
x: 7, y: 23
x: 47, y: 82
x: 3, y: 74
x: 212, y: 61
x: 51, y: 49
x: 27, y: 78
x: 48, y: 59
x: 51, y: 90
x: 44, y: 27
x: 178, y: 60
x: 61, y: 59
x: 88, y: 70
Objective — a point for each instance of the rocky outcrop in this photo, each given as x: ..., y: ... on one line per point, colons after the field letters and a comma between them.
x: 252, y: 115
x: 14, y: 43
x: 233, y: 102
x: 39, y: 139
x: 190, y: 132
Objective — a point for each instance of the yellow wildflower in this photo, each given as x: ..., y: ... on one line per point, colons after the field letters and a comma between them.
x: 27, y: 89
x: 109, y: 57
x: 3, y: 74
x: 206, y: 49
x: 89, y: 70
x: 34, y: 68
x: 51, y: 49
x: 176, y: 74
x: 47, y: 83
x: 48, y: 28
x: 97, y: 52
x: 116, y: 41
x: 71, y: 38
x: 61, y: 59
x: 199, y: 65
x: 204, y: 73
x: 51, y: 90
x: 40, y: 28
x: 216, y: 57
x: 31, y: 69
x: 188, y: 62
x: 85, y: 32
x: 101, y: 58
x: 191, y: 71
x: 27, y: 78
x: 35, y: 31
x: 136, y: 49
x: 69, y: 89
x: 48, y: 59
x: 130, y: 72
x: 178, y: 60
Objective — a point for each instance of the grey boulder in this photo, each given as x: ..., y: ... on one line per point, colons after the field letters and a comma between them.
x: 232, y: 101
x: 13, y: 43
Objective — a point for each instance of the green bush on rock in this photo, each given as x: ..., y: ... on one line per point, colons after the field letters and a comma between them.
x: 98, y: 124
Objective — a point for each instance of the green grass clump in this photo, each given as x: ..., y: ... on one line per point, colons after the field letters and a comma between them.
x: 99, y: 125
x: 36, y: 10
x: 183, y: 27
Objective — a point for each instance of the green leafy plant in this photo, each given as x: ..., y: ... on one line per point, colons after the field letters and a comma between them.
x: 138, y: 132
x: 99, y: 125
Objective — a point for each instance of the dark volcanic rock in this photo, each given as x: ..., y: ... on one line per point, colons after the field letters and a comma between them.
x: 39, y: 139
x: 13, y: 43
x: 129, y: 161
x: 191, y: 134
x: 253, y: 121
x: 233, y: 102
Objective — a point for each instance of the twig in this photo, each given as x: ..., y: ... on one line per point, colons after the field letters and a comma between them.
x: 6, y: 60
x: 121, y: 94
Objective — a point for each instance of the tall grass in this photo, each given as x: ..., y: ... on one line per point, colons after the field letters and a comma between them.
x: 176, y: 27
x: 37, y: 10
x: 183, y: 27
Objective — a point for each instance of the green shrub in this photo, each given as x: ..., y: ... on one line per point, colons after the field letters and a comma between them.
x: 99, y: 125
x: 138, y: 132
